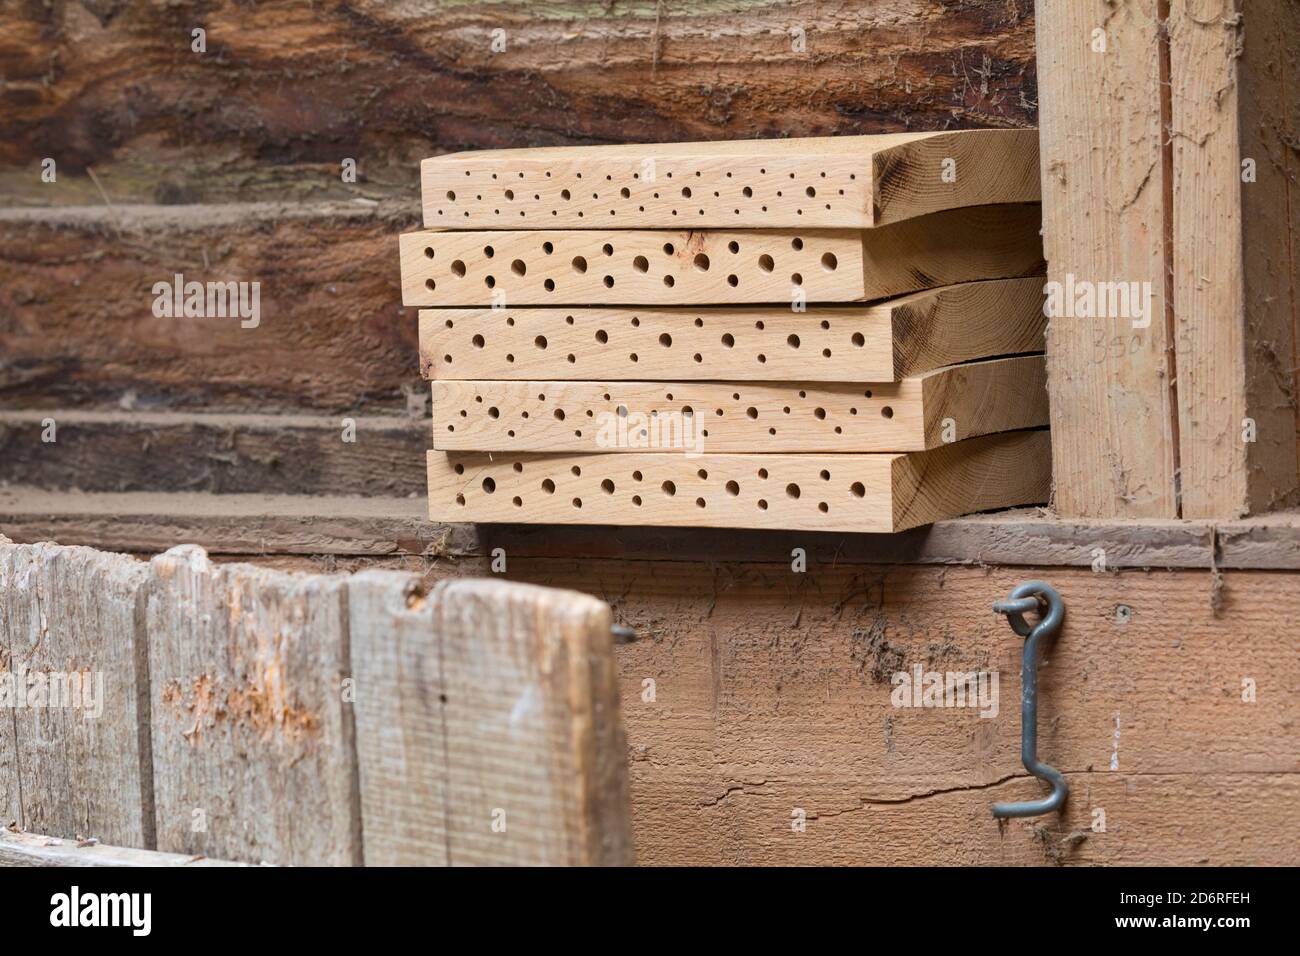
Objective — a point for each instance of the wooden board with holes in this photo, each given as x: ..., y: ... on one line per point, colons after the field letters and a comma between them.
x: 949, y: 404
x: 868, y: 493
x: 644, y: 267
x: 884, y: 342
x: 844, y: 182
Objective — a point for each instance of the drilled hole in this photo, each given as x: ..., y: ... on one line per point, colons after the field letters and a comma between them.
x: 733, y: 247
x: 887, y: 412
x: 540, y: 341
x: 607, y: 486
x: 458, y: 268
x: 792, y: 341
x: 579, y: 264
x: 796, y: 243
x: 641, y: 264
x: 728, y: 340
x: 669, y: 488
x: 489, y: 485
x: 829, y: 262
x: 666, y: 340
x: 428, y: 252
x: 766, y: 263
x: 859, y: 340
x: 792, y: 490
x: 702, y: 262
x: 858, y: 489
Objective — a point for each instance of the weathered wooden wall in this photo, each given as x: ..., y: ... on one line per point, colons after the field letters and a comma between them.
x: 287, y: 90
x: 767, y: 695
x: 227, y: 711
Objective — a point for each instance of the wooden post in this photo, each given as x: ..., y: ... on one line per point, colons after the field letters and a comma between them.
x: 1236, y: 213
x: 252, y: 741
x: 488, y: 727
x: 74, y: 760
x: 1110, y: 377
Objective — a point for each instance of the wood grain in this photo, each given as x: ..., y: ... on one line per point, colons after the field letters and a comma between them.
x: 1111, y: 381
x: 76, y: 695
x: 529, y: 672
x: 78, y: 330
x: 253, y: 747
x: 846, y: 182
x: 915, y: 414
x: 611, y: 267
x: 807, y: 492
x: 121, y: 451
x: 488, y: 725
x: 884, y: 342
x: 1236, y: 276
x: 773, y: 692
x: 287, y: 90
x: 401, y: 735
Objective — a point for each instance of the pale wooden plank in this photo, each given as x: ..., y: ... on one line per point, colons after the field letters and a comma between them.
x: 76, y: 693
x: 401, y: 738
x: 536, y: 758
x: 908, y: 335
x: 253, y: 746
x: 1236, y: 277
x: 608, y: 267
x: 870, y: 492
x: 32, y: 849
x: 1113, y: 414
x: 816, y: 182
x: 482, y: 697
x: 912, y: 415
x: 10, y: 800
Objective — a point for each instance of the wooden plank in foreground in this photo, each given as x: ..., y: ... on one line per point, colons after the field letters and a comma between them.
x: 834, y: 182
x: 608, y: 267
x: 878, y: 492
x: 884, y: 342
x: 1111, y: 376
x: 74, y: 682
x: 252, y: 743
x: 34, y: 849
x: 962, y: 401
x: 1236, y: 272
x: 488, y: 727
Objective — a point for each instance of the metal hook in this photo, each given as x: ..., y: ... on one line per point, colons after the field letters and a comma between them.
x: 1033, y: 596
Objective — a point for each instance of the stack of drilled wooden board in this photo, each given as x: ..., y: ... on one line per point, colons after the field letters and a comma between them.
x: 826, y: 334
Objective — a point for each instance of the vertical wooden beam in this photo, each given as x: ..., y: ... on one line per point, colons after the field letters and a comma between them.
x: 401, y: 754
x: 488, y: 728
x: 76, y: 760
x: 254, y: 758
x: 1114, y: 442
x: 1236, y: 213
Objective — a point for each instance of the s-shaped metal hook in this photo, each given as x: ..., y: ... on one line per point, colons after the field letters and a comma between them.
x: 1041, y: 597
